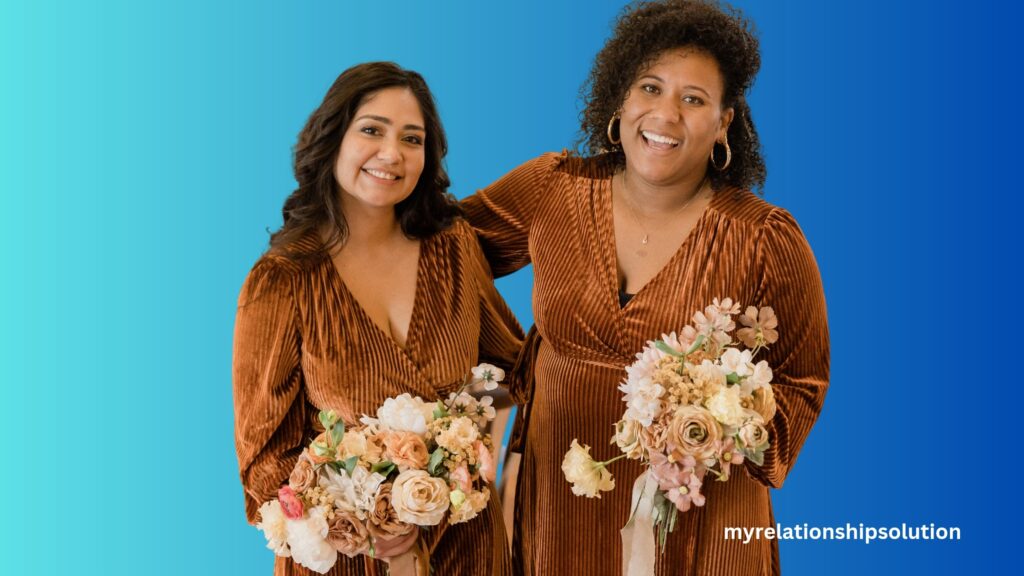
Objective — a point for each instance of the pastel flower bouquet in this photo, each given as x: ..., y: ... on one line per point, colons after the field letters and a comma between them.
x: 696, y: 405
x: 370, y: 489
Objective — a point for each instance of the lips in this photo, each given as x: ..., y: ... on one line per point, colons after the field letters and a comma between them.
x: 658, y: 141
x: 382, y: 174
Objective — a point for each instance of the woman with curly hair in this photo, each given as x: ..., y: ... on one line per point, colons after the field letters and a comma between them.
x: 650, y: 223
x: 373, y: 287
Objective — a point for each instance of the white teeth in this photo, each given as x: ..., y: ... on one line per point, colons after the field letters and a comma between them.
x: 659, y: 138
x: 382, y: 175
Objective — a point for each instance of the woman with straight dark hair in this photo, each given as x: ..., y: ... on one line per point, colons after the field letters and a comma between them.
x: 373, y: 287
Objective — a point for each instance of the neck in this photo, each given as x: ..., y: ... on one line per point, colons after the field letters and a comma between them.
x: 667, y: 198
x: 370, y: 226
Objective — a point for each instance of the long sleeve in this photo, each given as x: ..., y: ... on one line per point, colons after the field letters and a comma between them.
x: 791, y: 285
x: 501, y: 337
x: 270, y: 406
x: 503, y: 212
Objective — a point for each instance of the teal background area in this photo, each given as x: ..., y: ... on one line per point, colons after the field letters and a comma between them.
x: 146, y: 152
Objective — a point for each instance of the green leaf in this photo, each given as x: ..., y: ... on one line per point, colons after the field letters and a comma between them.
x: 349, y: 464
x: 756, y: 457
x: 383, y: 464
x: 696, y: 345
x: 440, y: 411
x: 336, y: 466
x: 435, y: 461
x: 660, y: 345
x: 321, y: 449
x: 328, y: 418
x: 337, y: 432
x: 732, y: 377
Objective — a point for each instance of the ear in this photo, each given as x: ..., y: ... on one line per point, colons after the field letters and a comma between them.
x: 727, y: 116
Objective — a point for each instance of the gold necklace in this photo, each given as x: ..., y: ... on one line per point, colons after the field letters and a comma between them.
x: 636, y: 218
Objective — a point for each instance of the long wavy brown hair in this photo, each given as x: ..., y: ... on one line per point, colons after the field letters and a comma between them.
x: 315, y: 204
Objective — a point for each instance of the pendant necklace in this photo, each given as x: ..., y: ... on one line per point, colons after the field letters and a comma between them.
x: 636, y: 218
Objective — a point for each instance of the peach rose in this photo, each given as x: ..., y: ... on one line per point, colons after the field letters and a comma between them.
x: 764, y: 402
x: 694, y: 431
x: 406, y: 450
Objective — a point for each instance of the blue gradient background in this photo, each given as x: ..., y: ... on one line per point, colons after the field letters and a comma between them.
x: 146, y: 151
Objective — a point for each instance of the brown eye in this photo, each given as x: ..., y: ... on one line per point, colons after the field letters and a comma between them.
x: 696, y: 100
x: 650, y: 88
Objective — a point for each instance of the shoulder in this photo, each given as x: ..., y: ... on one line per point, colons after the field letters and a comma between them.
x: 277, y: 271
x: 745, y: 208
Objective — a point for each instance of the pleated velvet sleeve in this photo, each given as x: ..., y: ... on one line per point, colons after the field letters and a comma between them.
x: 503, y: 212
x: 501, y: 337
x: 791, y: 285
x: 270, y: 406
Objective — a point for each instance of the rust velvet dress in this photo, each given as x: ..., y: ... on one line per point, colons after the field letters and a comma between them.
x: 556, y: 212
x: 303, y: 343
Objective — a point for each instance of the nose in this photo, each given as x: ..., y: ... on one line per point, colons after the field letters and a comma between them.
x: 668, y: 109
x: 389, y: 151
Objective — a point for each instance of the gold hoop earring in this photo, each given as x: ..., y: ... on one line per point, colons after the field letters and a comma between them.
x: 728, y: 155
x: 611, y: 122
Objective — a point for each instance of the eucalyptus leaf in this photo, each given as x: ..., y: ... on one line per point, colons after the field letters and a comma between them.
x: 381, y: 465
x: 327, y: 418
x: 337, y: 432
x: 321, y: 449
x: 660, y: 345
x: 349, y: 464
x: 756, y: 457
x: 435, y: 461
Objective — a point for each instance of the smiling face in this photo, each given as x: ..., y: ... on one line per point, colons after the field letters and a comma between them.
x: 672, y: 117
x: 382, y: 152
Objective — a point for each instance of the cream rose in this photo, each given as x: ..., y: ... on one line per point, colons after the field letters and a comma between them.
x: 693, y: 431
x: 764, y: 402
x: 347, y: 534
x: 406, y: 413
x: 627, y: 438
x: 588, y: 478
x: 752, y: 434
x: 406, y: 450
x: 419, y: 498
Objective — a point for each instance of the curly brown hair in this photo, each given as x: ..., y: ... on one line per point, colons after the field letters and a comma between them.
x: 315, y: 203
x: 645, y: 30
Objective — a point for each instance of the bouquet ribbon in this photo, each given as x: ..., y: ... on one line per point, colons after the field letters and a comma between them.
x: 413, y: 562
x: 638, y: 546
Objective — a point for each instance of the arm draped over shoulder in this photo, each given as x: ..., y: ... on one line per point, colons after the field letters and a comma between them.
x: 270, y: 406
x: 791, y: 284
x: 502, y: 213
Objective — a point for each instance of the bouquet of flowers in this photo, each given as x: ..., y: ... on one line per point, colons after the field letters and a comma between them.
x: 696, y: 405
x: 370, y: 488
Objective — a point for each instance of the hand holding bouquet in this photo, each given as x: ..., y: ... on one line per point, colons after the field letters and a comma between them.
x: 369, y: 489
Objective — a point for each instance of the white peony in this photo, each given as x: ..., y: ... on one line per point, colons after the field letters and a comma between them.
x: 275, y: 528
x: 643, y: 400
x: 726, y: 406
x: 406, y: 413
x: 307, y: 538
x: 739, y: 362
x: 355, y: 493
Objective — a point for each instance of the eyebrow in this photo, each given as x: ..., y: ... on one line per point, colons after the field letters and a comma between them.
x: 384, y: 120
x: 688, y: 86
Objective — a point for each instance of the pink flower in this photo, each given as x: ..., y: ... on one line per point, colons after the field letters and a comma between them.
x: 290, y: 503
x: 729, y: 455
x: 688, y: 494
x: 461, y: 477
x: 485, y: 459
